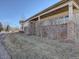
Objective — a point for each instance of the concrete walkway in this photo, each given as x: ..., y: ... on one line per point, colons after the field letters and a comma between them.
x: 3, y: 52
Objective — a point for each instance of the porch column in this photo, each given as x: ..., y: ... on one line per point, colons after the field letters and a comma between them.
x: 30, y: 27
x: 22, y: 25
x: 70, y: 25
x: 70, y: 10
x: 39, y: 26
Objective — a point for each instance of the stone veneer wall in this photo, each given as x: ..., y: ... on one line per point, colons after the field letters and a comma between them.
x: 32, y: 28
x: 55, y: 31
x: 52, y: 31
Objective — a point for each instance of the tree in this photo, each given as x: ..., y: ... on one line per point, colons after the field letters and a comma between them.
x: 8, y: 28
x: 1, y: 27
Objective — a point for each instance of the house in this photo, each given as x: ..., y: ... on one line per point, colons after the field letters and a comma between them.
x: 24, y: 26
x: 59, y: 21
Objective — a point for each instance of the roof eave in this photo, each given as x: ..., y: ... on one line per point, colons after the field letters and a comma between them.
x: 49, y: 8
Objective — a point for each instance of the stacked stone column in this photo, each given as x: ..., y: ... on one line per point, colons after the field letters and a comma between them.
x: 71, y: 23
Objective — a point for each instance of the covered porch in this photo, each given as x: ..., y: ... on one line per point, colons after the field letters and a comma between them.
x: 59, y: 15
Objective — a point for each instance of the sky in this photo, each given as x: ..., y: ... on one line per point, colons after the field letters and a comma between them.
x: 11, y: 11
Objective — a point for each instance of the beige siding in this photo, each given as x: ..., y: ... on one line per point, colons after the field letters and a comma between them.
x: 56, y: 16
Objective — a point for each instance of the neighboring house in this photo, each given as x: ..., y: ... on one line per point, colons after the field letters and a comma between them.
x: 58, y: 21
x: 24, y: 26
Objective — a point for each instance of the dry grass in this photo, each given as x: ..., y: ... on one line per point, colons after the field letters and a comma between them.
x: 21, y: 46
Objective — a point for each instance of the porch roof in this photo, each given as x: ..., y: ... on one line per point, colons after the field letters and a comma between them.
x: 49, y: 8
